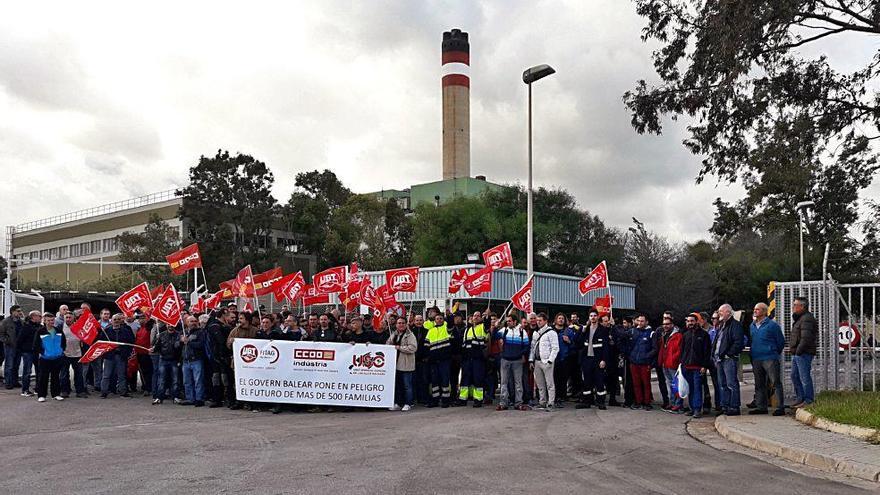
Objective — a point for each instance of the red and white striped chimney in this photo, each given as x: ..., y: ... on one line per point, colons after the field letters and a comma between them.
x: 456, y: 105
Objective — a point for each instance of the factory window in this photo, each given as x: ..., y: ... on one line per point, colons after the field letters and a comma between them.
x: 96, y: 247
x: 110, y: 245
x: 85, y: 248
x: 44, y: 254
x: 62, y: 252
x: 74, y: 250
x: 53, y: 253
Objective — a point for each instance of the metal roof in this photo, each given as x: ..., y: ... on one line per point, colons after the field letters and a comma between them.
x: 549, y: 288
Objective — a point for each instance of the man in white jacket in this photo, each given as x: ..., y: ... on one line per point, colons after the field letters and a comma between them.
x: 545, y: 347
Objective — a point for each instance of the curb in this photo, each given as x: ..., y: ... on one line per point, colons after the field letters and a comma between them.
x: 860, y: 432
x: 794, y: 454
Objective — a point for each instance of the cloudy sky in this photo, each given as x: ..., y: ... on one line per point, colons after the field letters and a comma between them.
x: 102, y: 102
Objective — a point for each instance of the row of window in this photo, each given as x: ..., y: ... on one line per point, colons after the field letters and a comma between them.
x: 74, y: 250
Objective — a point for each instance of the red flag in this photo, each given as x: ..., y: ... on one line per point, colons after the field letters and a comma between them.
x: 377, y: 318
x: 185, y: 259
x: 295, y: 288
x: 86, y: 327
x: 352, y: 293
x: 155, y: 293
x: 228, y: 289
x: 243, y: 284
x: 263, y: 281
x: 279, y: 284
x: 458, y: 278
x: 523, y: 299
x: 311, y: 296
x: 367, y: 294
x: 597, y: 279
x: 402, y: 279
x: 198, y: 307
x: 213, y: 301
x: 498, y: 257
x: 137, y: 298
x: 603, y: 305
x: 479, y: 282
x: 97, y: 350
x: 352, y: 271
x: 248, y: 307
x: 386, y: 296
x: 167, y: 310
x: 330, y: 281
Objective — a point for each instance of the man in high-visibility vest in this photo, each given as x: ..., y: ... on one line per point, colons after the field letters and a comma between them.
x: 473, y: 362
x: 438, y: 341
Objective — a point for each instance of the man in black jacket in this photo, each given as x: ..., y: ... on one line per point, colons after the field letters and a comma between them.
x: 24, y: 345
x: 217, y: 331
x: 9, y: 329
x: 168, y: 347
x: 593, y: 344
x: 729, y: 343
x: 696, y: 356
x: 193, y: 341
x: 804, y: 335
x: 116, y: 360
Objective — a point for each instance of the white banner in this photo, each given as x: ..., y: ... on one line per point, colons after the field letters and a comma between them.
x: 314, y: 373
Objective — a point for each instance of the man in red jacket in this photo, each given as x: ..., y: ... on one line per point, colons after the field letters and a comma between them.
x: 669, y: 358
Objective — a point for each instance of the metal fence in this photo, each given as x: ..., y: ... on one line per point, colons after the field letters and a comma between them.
x: 28, y: 302
x: 835, y: 367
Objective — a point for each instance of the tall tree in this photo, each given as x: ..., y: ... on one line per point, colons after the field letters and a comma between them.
x: 363, y: 232
x: 156, y: 241
x: 310, y: 208
x: 228, y: 208
x: 788, y: 126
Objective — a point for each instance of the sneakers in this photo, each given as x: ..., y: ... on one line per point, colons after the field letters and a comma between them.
x: 478, y: 404
x: 499, y: 407
x: 648, y: 407
x: 177, y: 401
x: 523, y: 407
x: 103, y: 396
x: 41, y: 399
x: 59, y: 398
x: 156, y: 402
x: 779, y: 412
x: 697, y: 415
x: 27, y: 393
x: 799, y: 405
x: 406, y: 408
x: 395, y: 407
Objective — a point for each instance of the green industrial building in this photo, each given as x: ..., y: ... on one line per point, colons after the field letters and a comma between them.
x: 439, y: 191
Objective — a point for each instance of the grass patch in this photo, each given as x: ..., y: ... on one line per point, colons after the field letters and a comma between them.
x: 852, y: 408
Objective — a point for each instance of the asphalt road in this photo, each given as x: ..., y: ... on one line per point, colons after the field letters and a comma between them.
x: 123, y: 445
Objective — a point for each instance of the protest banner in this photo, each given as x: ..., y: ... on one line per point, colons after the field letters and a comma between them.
x: 319, y: 373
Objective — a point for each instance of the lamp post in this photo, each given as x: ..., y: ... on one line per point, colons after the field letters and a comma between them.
x: 801, y: 209
x: 529, y: 76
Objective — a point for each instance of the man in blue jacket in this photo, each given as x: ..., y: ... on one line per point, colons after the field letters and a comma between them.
x: 116, y: 360
x: 726, y: 349
x: 767, y: 344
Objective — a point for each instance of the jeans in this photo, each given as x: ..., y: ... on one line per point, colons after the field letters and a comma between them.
x: 156, y: 361
x: 27, y: 362
x: 67, y: 364
x: 194, y: 380
x: 11, y: 359
x: 167, y: 371
x: 403, y: 394
x: 511, y: 370
x: 117, y: 364
x: 801, y: 378
x: 145, y: 367
x: 695, y: 384
x: 729, y: 384
x: 97, y: 368
x: 661, y: 384
x: 674, y: 399
x: 764, y: 370
x: 544, y: 382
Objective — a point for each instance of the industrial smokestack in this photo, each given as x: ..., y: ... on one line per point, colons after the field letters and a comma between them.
x: 456, y: 105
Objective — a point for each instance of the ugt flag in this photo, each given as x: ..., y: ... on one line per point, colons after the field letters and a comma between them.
x: 402, y: 279
x: 330, y: 281
x: 86, y: 327
x: 498, y: 257
x: 479, y: 282
x: 185, y: 259
x: 523, y: 299
x: 97, y: 350
x: 167, y: 310
x: 457, y: 280
x: 243, y: 284
x: 597, y: 279
x: 136, y: 298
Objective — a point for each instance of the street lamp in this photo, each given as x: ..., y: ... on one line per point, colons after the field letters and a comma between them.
x: 529, y: 76
x: 802, y: 209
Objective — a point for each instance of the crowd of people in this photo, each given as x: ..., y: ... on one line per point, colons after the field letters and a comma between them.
x: 444, y: 359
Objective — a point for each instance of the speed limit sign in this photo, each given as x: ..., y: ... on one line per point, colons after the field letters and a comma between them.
x: 847, y: 335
